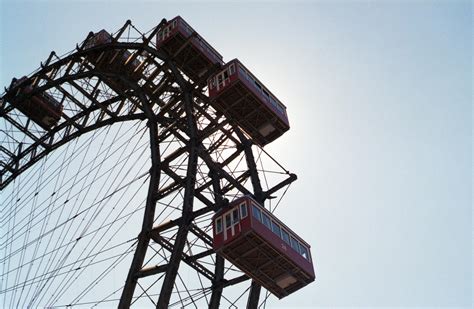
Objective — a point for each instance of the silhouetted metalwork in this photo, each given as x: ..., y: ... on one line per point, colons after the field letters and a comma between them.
x: 111, y: 78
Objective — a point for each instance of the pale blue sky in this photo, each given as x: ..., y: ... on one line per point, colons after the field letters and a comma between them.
x: 379, y: 97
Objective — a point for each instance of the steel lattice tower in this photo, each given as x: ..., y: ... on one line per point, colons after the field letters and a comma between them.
x: 198, y: 161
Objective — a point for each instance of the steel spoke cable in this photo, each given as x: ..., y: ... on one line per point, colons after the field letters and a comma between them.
x: 231, y: 303
x: 100, y: 277
x: 30, y: 174
x: 73, y: 270
x: 37, y: 246
x: 272, y: 172
x: 120, y: 213
x: 168, y: 207
x: 95, y: 214
x: 259, y: 160
x: 192, y: 299
x: 198, y: 274
x: 45, y: 217
x: 114, y: 221
x: 59, y: 167
x: 63, y: 257
x: 38, y: 288
x: 117, y: 257
x: 145, y: 293
x: 11, y: 245
x: 202, y: 287
x: 22, y: 256
x: 281, y: 197
x: 103, y: 300
x: 69, y: 225
x: 185, y: 288
x: 178, y: 292
x: 97, y: 253
x: 40, y: 278
x: 56, y: 167
x: 45, y: 234
x: 237, y: 299
x: 275, y: 161
x: 22, y: 250
x: 74, y: 217
x: 264, y: 301
x: 39, y: 220
x: 11, y: 147
x: 32, y: 213
x: 71, y: 254
x: 93, y: 302
x: 267, y: 186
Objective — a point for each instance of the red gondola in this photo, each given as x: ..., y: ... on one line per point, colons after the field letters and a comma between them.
x: 259, y: 244
x: 239, y: 95
x: 113, y: 60
x: 192, y: 54
x: 42, y: 108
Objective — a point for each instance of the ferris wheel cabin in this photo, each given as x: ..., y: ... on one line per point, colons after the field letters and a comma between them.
x: 117, y: 61
x: 239, y: 95
x: 42, y: 108
x: 259, y: 244
x: 192, y: 54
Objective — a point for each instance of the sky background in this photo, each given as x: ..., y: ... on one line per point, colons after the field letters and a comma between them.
x: 379, y: 96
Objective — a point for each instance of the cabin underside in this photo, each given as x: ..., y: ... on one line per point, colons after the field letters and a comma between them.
x: 242, y: 106
x: 117, y: 62
x: 187, y: 57
x: 263, y: 263
x: 36, y: 111
x: 111, y: 60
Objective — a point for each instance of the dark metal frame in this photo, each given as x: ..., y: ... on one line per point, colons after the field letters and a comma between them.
x: 178, y: 117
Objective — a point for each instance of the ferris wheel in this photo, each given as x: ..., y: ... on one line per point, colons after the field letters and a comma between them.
x: 133, y: 173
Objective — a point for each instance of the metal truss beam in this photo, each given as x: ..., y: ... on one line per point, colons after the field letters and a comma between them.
x: 173, y: 107
x: 155, y: 173
x: 254, y: 295
x: 180, y: 240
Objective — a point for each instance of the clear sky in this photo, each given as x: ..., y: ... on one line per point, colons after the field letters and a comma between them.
x: 379, y: 95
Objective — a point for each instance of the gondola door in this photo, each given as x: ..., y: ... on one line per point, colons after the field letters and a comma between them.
x: 223, y: 78
x: 232, y: 224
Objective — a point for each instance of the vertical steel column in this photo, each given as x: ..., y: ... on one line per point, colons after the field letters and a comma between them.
x: 217, y: 287
x: 254, y: 295
x: 219, y: 268
x: 252, y: 302
x: 257, y: 186
x: 180, y: 241
x: 147, y: 225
